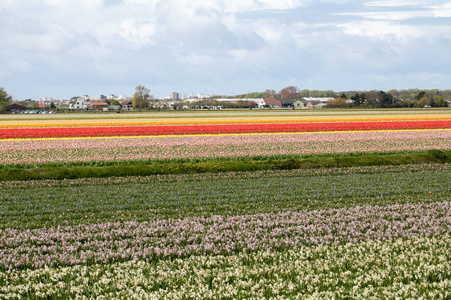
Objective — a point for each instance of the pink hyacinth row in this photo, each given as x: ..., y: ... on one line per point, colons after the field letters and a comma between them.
x: 145, y: 148
x: 214, y: 235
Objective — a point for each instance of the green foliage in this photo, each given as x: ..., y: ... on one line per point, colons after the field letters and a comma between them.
x: 358, y: 99
x: 214, y: 165
x: 141, y: 97
x: 234, y: 194
x: 5, y: 99
x: 393, y: 98
x: 257, y: 95
x: 115, y: 102
x: 439, y: 154
x: 424, y: 101
x: 439, y: 101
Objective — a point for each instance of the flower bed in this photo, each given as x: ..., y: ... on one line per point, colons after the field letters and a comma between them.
x: 152, y: 148
x: 173, y: 122
x: 402, y: 269
x: 219, y: 235
x: 17, y: 133
x: 366, y: 232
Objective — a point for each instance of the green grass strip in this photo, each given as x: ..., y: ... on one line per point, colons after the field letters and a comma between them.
x: 215, y: 166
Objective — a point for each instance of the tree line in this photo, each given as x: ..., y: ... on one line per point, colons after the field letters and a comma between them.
x: 403, y: 98
x: 408, y: 98
x: 364, y: 99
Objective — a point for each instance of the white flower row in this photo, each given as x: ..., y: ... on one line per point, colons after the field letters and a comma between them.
x: 401, y: 269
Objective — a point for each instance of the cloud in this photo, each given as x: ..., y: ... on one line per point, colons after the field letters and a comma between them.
x: 221, y: 46
x: 443, y: 11
x: 381, y: 29
x: 389, y: 3
x: 137, y: 33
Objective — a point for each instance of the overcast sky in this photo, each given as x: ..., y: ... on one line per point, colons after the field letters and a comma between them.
x: 62, y: 48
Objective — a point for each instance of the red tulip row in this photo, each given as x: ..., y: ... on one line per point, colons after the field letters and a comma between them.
x: 216, y: 129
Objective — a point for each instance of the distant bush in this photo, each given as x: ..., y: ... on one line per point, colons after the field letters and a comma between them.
x: 439, y: 154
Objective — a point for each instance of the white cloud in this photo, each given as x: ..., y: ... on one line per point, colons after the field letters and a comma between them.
x: 390, y: 3
x: 381, y: 29
x: 151, y: 3
x: 86, y: 4
x: 225, y: 43
x: 137, y: 33
x: 254, y: 5
x: 222, y: 6
x: 443, y: 11
x: 386, y: 15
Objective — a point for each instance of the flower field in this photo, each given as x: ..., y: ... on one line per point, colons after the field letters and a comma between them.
x: 68, y: 151
x: 216, y: 129
x: 363, y: 232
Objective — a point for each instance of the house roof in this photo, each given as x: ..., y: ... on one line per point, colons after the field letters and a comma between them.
x: 288, y: 101
x: 272, y: 101
x: 74, y: 100
x: 99, y: 103
x: 301, y: 100
x: 15, y: 106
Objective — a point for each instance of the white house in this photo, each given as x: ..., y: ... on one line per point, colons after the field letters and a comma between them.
x: 78, y: 103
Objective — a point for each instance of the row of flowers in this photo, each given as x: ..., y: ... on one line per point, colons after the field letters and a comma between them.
x: 199, y: 146
x: 414, y: 268
x: 219, y: 235
x: 17, y: 133
x: 134, y: 122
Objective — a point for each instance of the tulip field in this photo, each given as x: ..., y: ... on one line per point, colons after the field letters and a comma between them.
x: 358, y: 232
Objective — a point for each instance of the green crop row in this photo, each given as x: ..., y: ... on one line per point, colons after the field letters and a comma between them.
x: 144, y: 168
x: 246, y: 194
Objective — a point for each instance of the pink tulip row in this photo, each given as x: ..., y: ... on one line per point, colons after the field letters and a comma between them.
x: 145, y: 148
x: 85, y: 244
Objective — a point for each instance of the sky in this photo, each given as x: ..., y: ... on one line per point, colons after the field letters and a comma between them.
x: 61, y: 49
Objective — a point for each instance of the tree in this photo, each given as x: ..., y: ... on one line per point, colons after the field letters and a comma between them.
x: 424, y: 101
x: 141, y: 97
x: 256, y: 95
x: 439, y: 101
x: 387, y: 100
x: 374, y: 99
x: 5, y: 99
x: 290, y: 92
x: 394, y: 93
x: 115, y: 102
x: 304, y: 93
x: 358, y: 99
x: 337, y: 103
x: 420, y: 95
x: 270, y: 92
